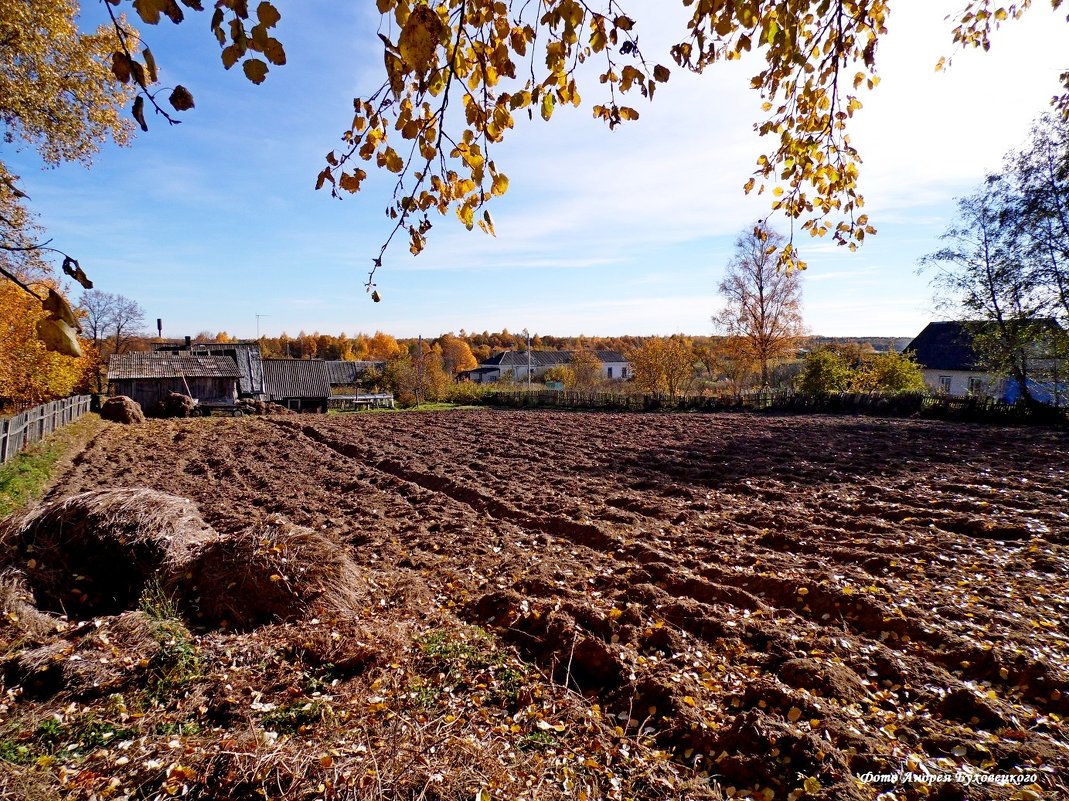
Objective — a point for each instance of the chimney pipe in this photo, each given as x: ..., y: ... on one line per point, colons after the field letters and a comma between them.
x: 188, y: 342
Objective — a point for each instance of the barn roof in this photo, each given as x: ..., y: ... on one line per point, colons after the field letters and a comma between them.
x: 123, y: 366
x: 295, y: 378
x: 245, y: 354
x: 342, y: 373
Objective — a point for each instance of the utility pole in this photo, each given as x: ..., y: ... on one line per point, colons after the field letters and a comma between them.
x: 527, y: 334
x: 419, y: 368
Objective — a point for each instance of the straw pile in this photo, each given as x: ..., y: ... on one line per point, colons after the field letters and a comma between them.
x: 92, y: 553
x: 250, y: 406
x: 271, y: 573
x: 175, y: 404
x: 122, y: 409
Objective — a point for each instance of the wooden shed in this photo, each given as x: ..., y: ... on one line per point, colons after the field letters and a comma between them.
x: 298, y: 384
x: 149, y: 377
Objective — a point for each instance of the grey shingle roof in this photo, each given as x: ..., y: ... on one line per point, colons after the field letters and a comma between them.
x: 295, y: 378
x: 245, y: 354
x: 169, y: 365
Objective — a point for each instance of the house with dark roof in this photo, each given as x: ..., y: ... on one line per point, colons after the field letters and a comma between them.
x: 516, y: 365
x: 150, y: 377
x: 951, y: 366
x: 298, y: 384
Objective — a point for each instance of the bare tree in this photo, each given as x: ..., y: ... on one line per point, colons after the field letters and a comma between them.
x: 985, y: 270
x: 763, y: 303
x: 112, y: 321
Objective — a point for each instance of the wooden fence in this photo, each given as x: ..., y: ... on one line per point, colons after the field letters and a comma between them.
x: 32, y: 425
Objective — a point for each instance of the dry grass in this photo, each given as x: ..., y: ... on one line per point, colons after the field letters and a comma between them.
x: 92, y: 553
x: 273, y: 573
x: 23, y: 621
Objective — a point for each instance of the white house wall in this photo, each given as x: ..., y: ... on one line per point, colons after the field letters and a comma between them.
x: 960, y: 382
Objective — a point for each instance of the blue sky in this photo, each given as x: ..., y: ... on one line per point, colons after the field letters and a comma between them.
x: 214, y: 221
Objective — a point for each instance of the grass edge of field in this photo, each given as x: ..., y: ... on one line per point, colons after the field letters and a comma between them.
x: 26, y: 477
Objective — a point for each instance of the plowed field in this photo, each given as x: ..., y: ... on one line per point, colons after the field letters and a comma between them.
x: 685, y: 606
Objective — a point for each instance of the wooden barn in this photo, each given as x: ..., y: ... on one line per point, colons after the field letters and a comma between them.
x: 149, y: 377
x: 298, y: 384
x: 245, y: 354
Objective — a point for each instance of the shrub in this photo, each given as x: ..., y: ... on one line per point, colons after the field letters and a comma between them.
x: 825, y: 372
x: 889, y: 372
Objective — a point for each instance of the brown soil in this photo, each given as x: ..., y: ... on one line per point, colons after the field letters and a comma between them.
x: 653, y: 606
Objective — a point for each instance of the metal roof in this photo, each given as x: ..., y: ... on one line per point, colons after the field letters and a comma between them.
x: 169, y: 365
x: 295, y: 378
x: 341, y: 373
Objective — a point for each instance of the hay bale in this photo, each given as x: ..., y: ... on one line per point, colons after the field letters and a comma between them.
x: 250, y: 406
x: 91, y: 554
x: 267, y: 574
x: 122, y: 409
x: 175, y: 405
x: 103, y: 659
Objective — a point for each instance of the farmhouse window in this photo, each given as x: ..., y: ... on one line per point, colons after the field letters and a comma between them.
x: 976, y: 386
x: 608, y: 372
x: 944, y: 384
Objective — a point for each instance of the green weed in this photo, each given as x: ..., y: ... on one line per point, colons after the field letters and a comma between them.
x: 292, y: 718
x: 25, y: 477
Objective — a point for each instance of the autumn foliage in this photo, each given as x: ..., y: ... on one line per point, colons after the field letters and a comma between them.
x: 459, y: 75
x: 30, y: 374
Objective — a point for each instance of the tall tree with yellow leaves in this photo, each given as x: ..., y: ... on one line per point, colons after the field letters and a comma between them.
x: 29, y: 373
x: 763, y: 303
x: 59, y: 96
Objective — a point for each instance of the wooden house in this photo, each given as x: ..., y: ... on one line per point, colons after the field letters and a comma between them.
x: 246, y: 356
x: 150, y: 377
x: 298, y: 384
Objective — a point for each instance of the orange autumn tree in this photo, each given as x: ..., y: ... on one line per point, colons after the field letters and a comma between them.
x: 29, y: 373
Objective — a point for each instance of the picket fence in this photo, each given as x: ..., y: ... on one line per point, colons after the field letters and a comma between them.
x: 32, y: 425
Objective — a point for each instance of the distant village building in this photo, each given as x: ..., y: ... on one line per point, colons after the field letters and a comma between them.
x: 150, y: 377
x: 951, y: 366
x: 514, y: 365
